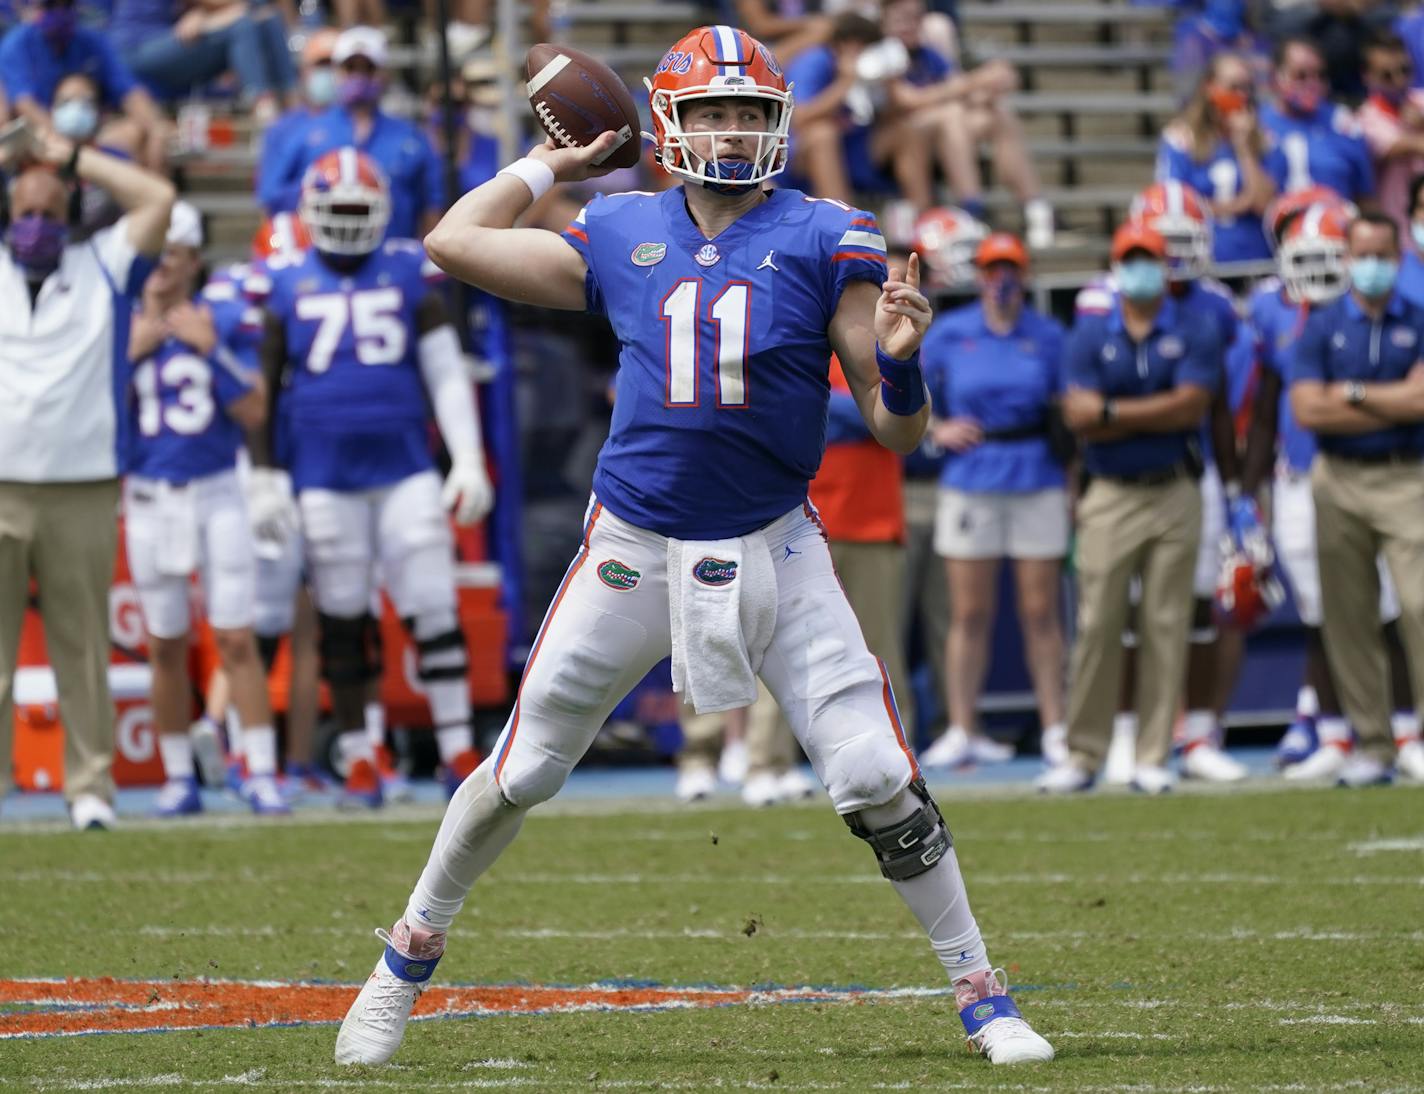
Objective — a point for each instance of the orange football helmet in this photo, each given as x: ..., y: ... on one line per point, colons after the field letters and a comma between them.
x: 947, y: 239
x: 712, y: 63
x: 1178, y: 212
x: 1287, y: 207
x: 346, y: 203
x: 1312, y: 255
x: 281, y: 234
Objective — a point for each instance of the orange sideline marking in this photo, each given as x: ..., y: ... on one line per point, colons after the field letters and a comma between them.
x: 69, y: 1008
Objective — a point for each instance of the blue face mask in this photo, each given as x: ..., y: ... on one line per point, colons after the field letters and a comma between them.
x: 321, y: 85
x: 1141, y: 279
x: 1373, y: 277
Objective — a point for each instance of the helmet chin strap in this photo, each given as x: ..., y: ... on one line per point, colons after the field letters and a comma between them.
x: 343, y: 262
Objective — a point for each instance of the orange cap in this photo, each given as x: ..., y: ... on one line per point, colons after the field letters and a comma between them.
x: 1001, y: 247
x: 320, y: 45
x: 1136, y: 235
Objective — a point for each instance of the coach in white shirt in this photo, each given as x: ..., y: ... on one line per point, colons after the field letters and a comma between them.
x: 64, y: 310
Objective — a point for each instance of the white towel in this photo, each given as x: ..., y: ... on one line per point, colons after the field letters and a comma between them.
x: 722, y: 607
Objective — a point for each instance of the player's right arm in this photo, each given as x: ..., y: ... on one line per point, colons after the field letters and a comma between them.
x: 477, y: 242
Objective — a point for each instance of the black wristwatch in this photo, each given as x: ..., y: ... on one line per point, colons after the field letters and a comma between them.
x: 1354, y: 392
x: 70, y: 171
x: 1108, y: 414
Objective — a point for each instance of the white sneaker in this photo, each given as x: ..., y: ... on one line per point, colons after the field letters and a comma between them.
x: 1122, y: 755
x: 208, y: 753
x: 951, y: 749
x: 1361, y: 770
x: 763, y: 788
x: 1410, y: 761
x: 373, y: 1027
x: 1147, y: 779
x: 795, y: 786
x: 1064, y: 778
x: 1038, y: 218
x: 88, y: 811
x: 1210, y: 764
x: 732, y: 765
x: 695, y: 784
x: 1054, y: 745
x: 1322, y: 765
x: 263, y: 794
x: 986, y: 750
x: 993, y: 1024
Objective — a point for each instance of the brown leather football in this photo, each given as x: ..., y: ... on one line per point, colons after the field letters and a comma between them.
x: 576, y: 97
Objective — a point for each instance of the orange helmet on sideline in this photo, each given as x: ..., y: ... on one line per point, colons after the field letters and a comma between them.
x: 1182, y: 217
x: 947, y: 239
x: 346, y: 203
x: 1312, y: 256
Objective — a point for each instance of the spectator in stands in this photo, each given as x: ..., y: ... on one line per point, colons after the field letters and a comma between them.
x: 1410, y: 28
x: 318, y: 86
x: 1392, y: 120
x: 1140, y: 381
x: 1199, y: 37
x: 1320, y: 142
x: 786, y: 27
x: 399, y: 147
x: 175, y: 55
x: 1338, y: 27
x: 59, y: 440
x: 1358, y: 385
x: 1217, y: 147
x: 476, y: 139
x: 994, y: 371
x: 49, y: 45
x: 1411, y: 267
x: 77, y: 116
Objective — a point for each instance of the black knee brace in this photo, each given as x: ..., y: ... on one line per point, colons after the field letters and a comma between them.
x: 441, y: 656
x: 267, y: 647
x: 347, y: 651
x: 912, y: 846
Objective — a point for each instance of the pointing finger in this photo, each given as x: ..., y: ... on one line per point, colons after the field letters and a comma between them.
x: 912, y: 270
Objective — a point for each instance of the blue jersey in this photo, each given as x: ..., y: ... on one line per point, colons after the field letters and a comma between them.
x: 29, y: 68
x: 356, y: 409
x: 179, y: 429
x: 1218, y: 179
x: 237, y: 318
x: 1276, y: 325
x: 1005, y: 383
x: 1411, y: 278
x: 1325, y: 149
x: 719, y: 419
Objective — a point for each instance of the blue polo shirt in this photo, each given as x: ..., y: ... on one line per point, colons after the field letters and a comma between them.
x: 1325, y: 149
x: 1411, y: 278
x: 29, y: 68
x: 403, y: 152
x: 1102, y: 357
x: 277, y: 139
x: 1004, y: 382
x: 1341, y: 342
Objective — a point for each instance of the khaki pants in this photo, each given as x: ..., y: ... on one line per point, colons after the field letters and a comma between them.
x: 64, y: 536
x: 872, y: 575
x: 1364, y: 510
x: 926, y: 584
x: 1125, y: 531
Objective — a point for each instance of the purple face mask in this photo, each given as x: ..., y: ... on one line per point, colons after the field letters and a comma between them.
x: 360, y: 91
x: 37, y: 243
x: 57, y: 26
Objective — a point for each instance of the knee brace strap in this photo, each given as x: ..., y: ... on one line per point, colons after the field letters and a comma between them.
x: 267, y: 647
x: 441, y: 656
x: 346, y: 650
x: 909, y: 847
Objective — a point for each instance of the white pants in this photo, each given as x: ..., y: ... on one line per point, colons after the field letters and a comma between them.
x: 279, y: 579
x: 173, y: 532
x: 1208, y: 570
x: 599, y: 639
x: 402, y: 528
x: 1293, y: 529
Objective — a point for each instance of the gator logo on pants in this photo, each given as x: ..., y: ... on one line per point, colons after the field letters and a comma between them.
x: 617, y: 576
x: 715, y: 571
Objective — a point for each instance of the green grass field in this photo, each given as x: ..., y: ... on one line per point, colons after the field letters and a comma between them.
x: 1253, y: 941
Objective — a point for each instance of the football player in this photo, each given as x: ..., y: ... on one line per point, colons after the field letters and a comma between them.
x: 355, y: 342
x: 729, y: 298
x: 189, y: 399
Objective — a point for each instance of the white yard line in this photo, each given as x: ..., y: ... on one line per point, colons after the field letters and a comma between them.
x: 1375, y: 846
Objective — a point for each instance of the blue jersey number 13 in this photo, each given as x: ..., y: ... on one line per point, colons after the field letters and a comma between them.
x: 730, y: 316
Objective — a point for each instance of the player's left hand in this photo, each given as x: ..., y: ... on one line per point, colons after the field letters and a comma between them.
x: 193, y: 325
x: 468, y: 492
x: 902, y: 314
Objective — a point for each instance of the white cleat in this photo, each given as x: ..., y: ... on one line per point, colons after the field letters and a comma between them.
x: 1410, y: 761
x: 993, y: 1024
x: 1210, y: 764
x: 1122, y: 755
x: 1054, y: 745
x: 695, y: 784
x: 87, y: 811
x: 949, y: 749
x: 1150, y: 780
x: 732, y: 765
x: 984, y: 749
x: 762, y: 789
x: 1322, y: 765
x: 793, y: 785
x: 1066, y: 778
x: 1361, y: 770
x: 373, y: 1027
x: 209, y: 753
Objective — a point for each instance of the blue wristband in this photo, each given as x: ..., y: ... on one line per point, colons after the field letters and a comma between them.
x: 902, y: 383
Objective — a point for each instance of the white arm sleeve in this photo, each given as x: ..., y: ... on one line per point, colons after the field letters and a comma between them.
x: 452, y: 392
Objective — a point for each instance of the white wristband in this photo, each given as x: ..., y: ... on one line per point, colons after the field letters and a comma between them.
x: 535, y: 174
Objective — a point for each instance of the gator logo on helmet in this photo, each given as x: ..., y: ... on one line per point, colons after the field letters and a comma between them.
x: 617, y: 576
x: 715, y: 571
x: 982, y: 1011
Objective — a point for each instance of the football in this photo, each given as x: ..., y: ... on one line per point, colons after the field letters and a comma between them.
x: 576, y: 97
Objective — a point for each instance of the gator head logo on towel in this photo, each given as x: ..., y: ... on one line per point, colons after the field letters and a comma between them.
x: 617, y: 576
x: 715, y: 571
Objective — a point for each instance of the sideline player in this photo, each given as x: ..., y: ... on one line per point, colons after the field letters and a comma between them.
x: 729, y: 299
x: 190, y: 400
x: 354, y: 341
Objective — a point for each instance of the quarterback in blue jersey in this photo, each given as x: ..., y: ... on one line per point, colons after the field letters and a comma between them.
x: 728, y: 299
x: 190, y: 400
x: 356, y: 348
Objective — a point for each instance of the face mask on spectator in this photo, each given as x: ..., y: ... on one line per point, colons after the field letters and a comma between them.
x: 1373, y: 276
x: 36, y: 242
x: 1005, y: 286
x: 1416, y: 232
x: 1141, y: 278
x: 1302, y: 97
x: 321, y: 86
x: 76, y: 119
x: 359, y: 90
x: 57, y: 26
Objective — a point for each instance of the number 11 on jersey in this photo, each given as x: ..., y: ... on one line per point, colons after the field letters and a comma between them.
x: 730, y: 316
